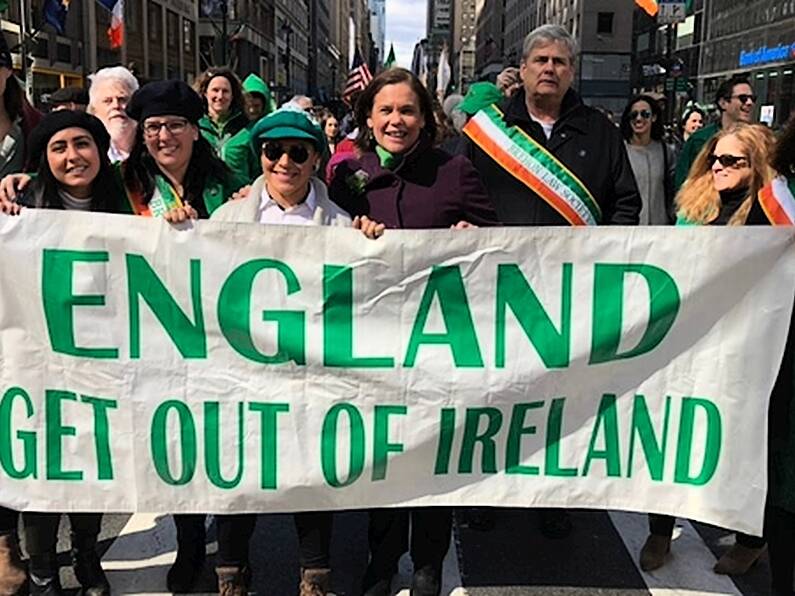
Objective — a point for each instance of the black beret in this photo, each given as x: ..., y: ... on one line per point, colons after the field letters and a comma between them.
x: 5, y: 55
x: 76, y: 95
x: 166, y: 98
x: 57, y: 121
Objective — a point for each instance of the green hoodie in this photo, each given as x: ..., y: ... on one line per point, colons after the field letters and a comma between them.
x: 255, y: 84
x: 232, y: 142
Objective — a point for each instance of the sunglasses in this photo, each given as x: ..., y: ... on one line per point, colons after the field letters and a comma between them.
x: 745, y: 98
x: 726, y: 160
x: 645, y: 114
x: 297, y: 153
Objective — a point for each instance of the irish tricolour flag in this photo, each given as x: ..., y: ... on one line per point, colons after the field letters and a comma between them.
x: 650, y: 6
x: 116, y: 30
x: 778, y: 201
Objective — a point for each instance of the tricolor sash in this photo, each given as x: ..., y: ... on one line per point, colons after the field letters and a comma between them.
x: 534, y: 166
x: 163, y: 199
x: 778, y: 201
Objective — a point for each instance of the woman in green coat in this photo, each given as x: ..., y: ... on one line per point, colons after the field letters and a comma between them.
x: 224, y: 123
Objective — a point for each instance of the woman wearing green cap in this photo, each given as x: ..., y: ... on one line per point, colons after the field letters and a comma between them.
x: 291, y: 147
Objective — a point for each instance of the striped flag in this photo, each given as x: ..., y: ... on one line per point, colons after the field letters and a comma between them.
x: 116, y: 30
x: 650, y: 6
x: 358, y: 78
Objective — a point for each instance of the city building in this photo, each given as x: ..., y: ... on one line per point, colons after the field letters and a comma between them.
x: 463, y: 41
x: 439, y: 26
x: 757, y: 38
x: 339, y: 34
x: 490, y: 56
x: 521, y: 17
x: 378, y: 27
x: 160, y: 41
x: 323, y: 55
x: 238, y: 34
x: 603, y: 30
x: 292, y: 36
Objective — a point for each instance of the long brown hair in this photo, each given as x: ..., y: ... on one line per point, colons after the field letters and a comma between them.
x: 699, y: 202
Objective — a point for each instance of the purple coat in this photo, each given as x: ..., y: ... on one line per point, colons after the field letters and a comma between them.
x: 429, y: 189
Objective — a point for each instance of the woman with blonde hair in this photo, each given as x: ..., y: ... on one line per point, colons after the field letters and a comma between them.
x: 722, y: 189
x: 726, y: 177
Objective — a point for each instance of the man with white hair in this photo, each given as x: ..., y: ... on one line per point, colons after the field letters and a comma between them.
x: 301, y: 102
x: 110, y: 92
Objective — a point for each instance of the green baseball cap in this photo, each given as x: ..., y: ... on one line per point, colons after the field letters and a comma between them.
x: 287, y: 123
x: 479, y: 96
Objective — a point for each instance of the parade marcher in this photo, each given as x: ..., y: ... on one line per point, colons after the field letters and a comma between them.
x: 17, y: 118
x: 331, y: 128
x: 722, y: 188
x: 225, y: 125
x: 736, y: 100
x: 110, y: 92
x: 291, y: 146
x: 653, y: 162
x: 402, y: 181
x: 547, y: 119
x: 301, y: 102
x: 775, y: 200
x: 69, y: 98
x: 16, y: 124
x: 259, y: 101
x: 692, y: 120
x: 74, y: 173
x: 173, y: 167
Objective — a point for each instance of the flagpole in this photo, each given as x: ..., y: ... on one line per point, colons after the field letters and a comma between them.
x: 27, y: 67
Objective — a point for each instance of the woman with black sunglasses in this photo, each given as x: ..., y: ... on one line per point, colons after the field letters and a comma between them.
x: 722, y: 189
x: 653, y: 163
x: 291, y: 147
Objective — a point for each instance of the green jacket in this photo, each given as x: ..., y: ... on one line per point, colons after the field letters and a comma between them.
x: 231, y: 140
x: 216, y: 193
x: 690, y: 151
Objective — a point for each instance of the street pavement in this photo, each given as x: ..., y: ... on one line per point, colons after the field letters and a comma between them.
x: 512, y: 559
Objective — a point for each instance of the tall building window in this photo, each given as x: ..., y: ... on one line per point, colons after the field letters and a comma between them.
x: 155, y: 23
x: 604, y: 23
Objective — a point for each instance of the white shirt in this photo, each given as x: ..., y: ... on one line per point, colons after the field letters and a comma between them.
x: 115, y: 154
x: 547, y: 126
x: 270, y: 212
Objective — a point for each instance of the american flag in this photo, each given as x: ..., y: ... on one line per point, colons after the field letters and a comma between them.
x: 358, y: 78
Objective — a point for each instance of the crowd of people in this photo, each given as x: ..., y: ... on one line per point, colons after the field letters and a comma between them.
x: 221, y: 150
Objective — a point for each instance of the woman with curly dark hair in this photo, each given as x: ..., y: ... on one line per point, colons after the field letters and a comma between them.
x: 225, y: 125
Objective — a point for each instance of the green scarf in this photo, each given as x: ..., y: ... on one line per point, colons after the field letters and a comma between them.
x: 388, y: 160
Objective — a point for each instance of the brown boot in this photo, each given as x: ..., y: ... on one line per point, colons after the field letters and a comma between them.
x: 654, y: 552
x: 738, y: 560
x: 232, y: 581
x: 12, y: 573
x: 315, y: 582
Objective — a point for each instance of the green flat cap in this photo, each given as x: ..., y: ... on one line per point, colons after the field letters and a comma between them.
x: 287, y: 123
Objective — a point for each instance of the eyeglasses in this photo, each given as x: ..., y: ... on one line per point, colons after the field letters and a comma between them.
x: 744, y: 98
x: 175, y: 127
x: 645, y: 114
x: 297, y: 153
x: 726, y: 160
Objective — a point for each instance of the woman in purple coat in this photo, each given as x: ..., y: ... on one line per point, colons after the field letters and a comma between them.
x: 401, y: 180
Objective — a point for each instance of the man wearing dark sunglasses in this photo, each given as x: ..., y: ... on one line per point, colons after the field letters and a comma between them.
x: 736, y: 101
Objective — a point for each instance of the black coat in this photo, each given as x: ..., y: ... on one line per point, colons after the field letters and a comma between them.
x: 583, y: 140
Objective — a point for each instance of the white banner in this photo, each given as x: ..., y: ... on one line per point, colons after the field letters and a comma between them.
x: 239, y: 367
